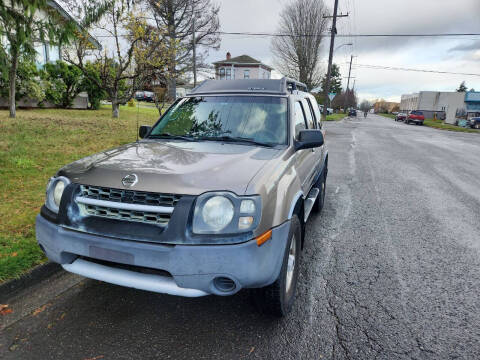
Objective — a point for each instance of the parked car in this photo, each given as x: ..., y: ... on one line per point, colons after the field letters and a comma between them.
x: 198, y: 206
x: 416, y: 117
x: 145, y: 96
x: 475, y: 123
x: 400, y: 117
x: 329, y: 110
x: 352, y: 112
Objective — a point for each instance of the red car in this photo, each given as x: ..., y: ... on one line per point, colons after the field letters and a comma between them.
x: 416, y: 117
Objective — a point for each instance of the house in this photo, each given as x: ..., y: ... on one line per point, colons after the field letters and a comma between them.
x: 241, y: 67
x: 444, y: 104
x: 51, y: 53
x: 46, y: 52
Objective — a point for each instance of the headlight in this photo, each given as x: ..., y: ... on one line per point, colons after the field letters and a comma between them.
x: 217, y: 212
x: 55, y: 189
x: 226, y: 213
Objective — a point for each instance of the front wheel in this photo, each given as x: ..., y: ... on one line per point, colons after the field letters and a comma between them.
x: 277, y: 299
x: 320, y: 201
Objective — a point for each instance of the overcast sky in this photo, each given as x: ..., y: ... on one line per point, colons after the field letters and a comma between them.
x: 374, y: 16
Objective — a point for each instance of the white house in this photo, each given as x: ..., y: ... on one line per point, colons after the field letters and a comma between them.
x: 241, y: 67
x: 46, y: 52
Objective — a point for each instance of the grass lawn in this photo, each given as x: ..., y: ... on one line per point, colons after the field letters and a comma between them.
x: 439, y: 124
x: 32, y: 148
x: 391, y: 116
x: 335, y: 117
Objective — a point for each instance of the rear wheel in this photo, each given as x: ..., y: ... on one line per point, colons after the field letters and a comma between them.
x: 277, y: 299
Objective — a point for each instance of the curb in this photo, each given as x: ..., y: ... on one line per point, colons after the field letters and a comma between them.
x: 35, y: 275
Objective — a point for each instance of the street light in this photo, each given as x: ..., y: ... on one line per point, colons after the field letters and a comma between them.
x: 339, y: 46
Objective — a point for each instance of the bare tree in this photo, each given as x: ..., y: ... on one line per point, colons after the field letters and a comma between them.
x: 130, y: 62
x: 297, y: 50
x: 176, y: 16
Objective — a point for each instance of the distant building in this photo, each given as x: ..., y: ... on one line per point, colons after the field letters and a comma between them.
x: 472, y: 104
x: 445, y: 104
x: 241, y: 67
x: 385, y: 106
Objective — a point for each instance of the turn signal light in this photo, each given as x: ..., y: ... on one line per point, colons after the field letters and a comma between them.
x: 264, y: 237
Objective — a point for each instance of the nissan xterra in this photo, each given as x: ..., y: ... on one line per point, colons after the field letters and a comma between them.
x: 213, y: 198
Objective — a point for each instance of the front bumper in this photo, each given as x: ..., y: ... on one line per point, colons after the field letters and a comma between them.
x: 193, y: 268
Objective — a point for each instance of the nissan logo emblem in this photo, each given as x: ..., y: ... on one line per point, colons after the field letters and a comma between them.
x: 130, y: 180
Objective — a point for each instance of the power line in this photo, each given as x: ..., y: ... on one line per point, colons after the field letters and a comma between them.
x: 380, y: 67
x: 449, y: 35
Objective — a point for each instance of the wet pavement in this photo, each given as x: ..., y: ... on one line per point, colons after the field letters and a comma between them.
x: 390, y: 271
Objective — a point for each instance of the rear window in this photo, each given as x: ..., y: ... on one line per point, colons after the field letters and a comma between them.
x: 260, y: 118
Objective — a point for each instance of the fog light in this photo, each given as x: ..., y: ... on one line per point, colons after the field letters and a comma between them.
x: 245, y: 222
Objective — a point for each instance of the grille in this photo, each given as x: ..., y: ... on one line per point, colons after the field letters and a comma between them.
x: 129, y: 215
x: 128, y: 196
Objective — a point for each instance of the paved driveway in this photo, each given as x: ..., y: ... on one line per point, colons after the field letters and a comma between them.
x: 391, y: 270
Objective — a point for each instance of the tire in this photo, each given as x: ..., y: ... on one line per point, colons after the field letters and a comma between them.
x: 322, y: 185
x: 276, y: 299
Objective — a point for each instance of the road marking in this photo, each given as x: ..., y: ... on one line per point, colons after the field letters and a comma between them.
x: 336, y: 190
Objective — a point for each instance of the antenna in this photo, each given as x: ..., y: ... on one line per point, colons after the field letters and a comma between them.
x: 138, y: 111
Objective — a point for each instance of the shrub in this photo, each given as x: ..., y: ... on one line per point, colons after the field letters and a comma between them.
x: 64, y: 83
x: 95, y: 94
x: 131, y: 103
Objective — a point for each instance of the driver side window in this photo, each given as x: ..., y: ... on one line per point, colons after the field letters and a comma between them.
x: 300, y: 121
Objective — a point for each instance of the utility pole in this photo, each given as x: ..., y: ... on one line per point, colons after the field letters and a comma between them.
x: 348, y: 84
x: 194, y: 52
x: 330, y: 55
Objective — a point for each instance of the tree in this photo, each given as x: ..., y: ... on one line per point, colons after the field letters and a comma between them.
x: 335, y: 80
x: 21, y: 27
x: 28, y: 83
x: 176, y: 16
x: 462, y: 87
x: 129, y: 64
x: 297, y: 53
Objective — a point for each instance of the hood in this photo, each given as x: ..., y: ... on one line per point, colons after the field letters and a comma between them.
x: 173, y: 167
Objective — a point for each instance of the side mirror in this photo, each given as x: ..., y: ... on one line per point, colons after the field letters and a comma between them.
x: 143, y: 131
x: 308, y: 139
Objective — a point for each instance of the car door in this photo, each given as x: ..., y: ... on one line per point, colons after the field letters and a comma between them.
x: 304, y: 159
x: 317, y: 122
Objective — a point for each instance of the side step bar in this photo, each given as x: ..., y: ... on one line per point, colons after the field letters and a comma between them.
x: 309, y: 201
x: 149, y: 282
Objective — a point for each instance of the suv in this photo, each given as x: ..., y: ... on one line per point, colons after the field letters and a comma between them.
x: 352, y: 112
x: 400, y: 117
x: 475, y: 123
x: 214, y: 197
x: 416, y: 117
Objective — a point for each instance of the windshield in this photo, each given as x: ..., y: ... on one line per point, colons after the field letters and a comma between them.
x: 261, y: 119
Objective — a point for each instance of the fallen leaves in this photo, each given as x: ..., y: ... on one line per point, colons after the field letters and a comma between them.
x: 39, y: 310
x: 5, y: 310
x: 95, y: 357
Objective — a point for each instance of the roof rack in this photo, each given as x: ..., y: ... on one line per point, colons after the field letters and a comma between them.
x: 292, y: 84
x: 282, y: 86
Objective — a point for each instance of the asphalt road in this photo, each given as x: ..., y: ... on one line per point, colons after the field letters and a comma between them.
x: 390, y: 271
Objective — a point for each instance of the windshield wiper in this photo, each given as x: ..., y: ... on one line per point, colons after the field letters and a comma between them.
x: 236, y: 139
x: 170, y: 136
